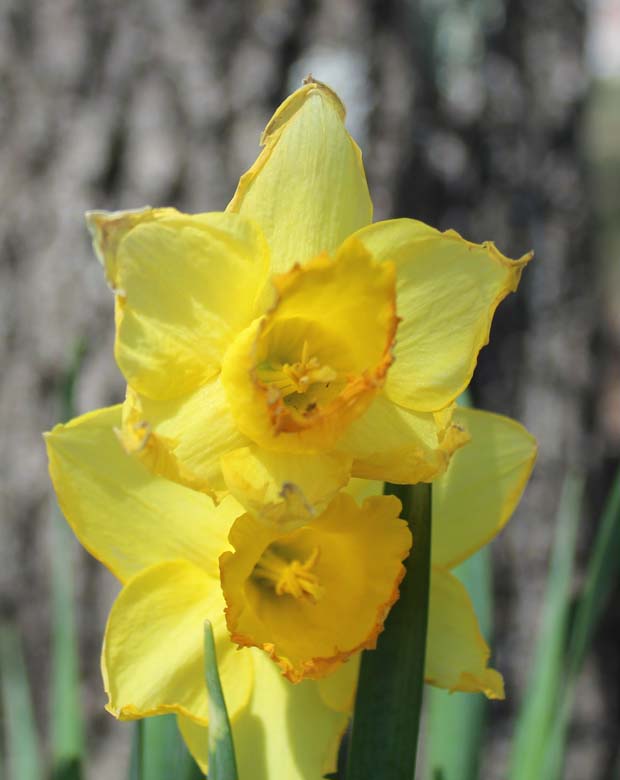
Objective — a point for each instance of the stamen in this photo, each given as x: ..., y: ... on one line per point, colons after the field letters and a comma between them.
x: 291, y: 578
x: 297, y: 377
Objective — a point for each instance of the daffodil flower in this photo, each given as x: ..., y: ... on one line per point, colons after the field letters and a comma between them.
x: 341, y: 573
x: 280, y: 348
x: 166, y: 544
x: 164, y: 541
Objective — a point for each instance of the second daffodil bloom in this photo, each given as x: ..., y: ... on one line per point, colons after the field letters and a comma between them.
x: 309, y: 598
x: 280, y: 348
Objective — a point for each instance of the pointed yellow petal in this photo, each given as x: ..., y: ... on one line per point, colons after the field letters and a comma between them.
x: 286, y: 733
x: 476, y: 496
x: 456, y: 653
x: 291, y: 594
x: 307, y: 189
x: 183, y: 439
x: 448, y: 290
x: 152, y: 659
x: 394, y: 444
x: 185, y: 285
x: 124, y: 516
x: 284, y: 489
x: 296, y: 378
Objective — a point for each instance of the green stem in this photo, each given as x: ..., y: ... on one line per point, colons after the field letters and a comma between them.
x: 386, y: 720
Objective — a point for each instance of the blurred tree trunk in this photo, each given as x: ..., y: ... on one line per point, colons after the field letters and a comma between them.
x: 468, y: 113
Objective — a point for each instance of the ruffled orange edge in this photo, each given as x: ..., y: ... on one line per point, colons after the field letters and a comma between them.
x: 316, y: 668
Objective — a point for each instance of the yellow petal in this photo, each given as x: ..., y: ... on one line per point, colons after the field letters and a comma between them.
x: 307, y: 189
x: 291, y: 594
x: 121, y: 514
x: 456, y: 653
x: 480, y: 490
x: 107, y: 228
x: 338, y: 689
x: 394, y: 444
x: 183, y: 439
x: 186, y: 285
x: 448, y: 290
x: 283, y: 489
x: 298, y: 377
x: 364, y: 488
x: 286, y: 733
x: 152, y: 659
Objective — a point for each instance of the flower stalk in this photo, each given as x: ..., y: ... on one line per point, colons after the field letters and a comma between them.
x: 389, y: 697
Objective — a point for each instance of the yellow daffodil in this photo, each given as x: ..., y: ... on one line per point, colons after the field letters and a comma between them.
x: 164, y: 542
x: 281, y: 590
x: 277, y: 349
x: 341, y: 571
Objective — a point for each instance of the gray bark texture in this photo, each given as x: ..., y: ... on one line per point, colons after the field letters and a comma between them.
x: 471, y: 115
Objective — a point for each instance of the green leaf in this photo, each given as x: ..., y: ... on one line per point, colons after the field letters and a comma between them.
x: 67, y: 730
x: 67, y: 736
x: 602, y: 574
x: 135, y: 761
x: 540, y: 705
x: 456, y: 721
x: 386, y: 720
x: 159, y: 752
x: 222, y: 762
x: 21, y: 738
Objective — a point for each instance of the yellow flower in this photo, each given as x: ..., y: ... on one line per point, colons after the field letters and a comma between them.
x: 164, y: 541
x: 342, y: 572
x: 278, y: 349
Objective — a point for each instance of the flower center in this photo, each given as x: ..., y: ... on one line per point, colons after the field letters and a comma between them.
x: 289, y: 577
x: 298, y: 377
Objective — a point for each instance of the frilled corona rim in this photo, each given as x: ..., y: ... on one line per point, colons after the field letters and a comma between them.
x: 358, y: 388
x: 317, y: 668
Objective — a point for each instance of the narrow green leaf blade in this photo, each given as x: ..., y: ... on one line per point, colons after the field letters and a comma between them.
x: 389, y: 698
x: 539, y: 709
x: 22, y: 744
x: 456, y: 721
x: 135, y: 761
x: 67, y: 730
x: 67, y: 735
x: 602, y: 574
x: 222, y: 762
x: 159, y: 752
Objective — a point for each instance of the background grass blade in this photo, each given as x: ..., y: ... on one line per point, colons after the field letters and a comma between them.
x: 67, y: 736
x: 540, y: 704
x: 456, y: 721
x: 222, y: 762
x: 67, y: 731
x: 602, y: 574
x: 20, y: 737
x: 135, y: 761
x: 389, y: 698
x: 159, y: 752
x: 601, y: 577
